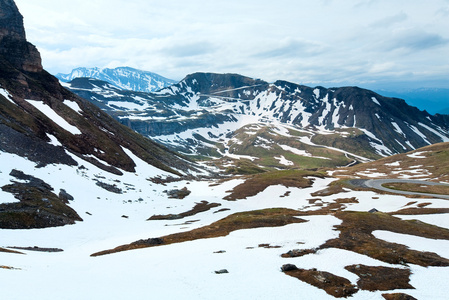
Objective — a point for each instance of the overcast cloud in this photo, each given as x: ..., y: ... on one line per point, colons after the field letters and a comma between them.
x: 328, y: 42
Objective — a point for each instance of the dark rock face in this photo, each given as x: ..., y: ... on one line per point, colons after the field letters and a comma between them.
x: 38, y: 206
x: 11, y: 21
x: 27, y: 131
x: 13, y: 45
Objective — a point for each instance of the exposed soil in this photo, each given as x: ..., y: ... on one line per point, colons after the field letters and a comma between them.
x: 258, y: 183
x: 418, y: 188
x: 334, y: 285
x: 381, y: 278
x: 330, y: 190
x: 273, y: 217
x: 198, y: 208
x: 433, y: 158
x: 10, y: 251
x: 398, y: 296
x: 420, y: 211
x: 356, y: 235
x: 8, y: 268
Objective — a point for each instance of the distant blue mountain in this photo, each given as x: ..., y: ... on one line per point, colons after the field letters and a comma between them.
x: 122, y: 77
x: 433, y: 100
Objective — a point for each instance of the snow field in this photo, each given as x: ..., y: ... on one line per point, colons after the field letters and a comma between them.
x: 185, y: 270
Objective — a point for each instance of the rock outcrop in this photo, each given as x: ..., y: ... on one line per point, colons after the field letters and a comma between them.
x: 14, y: 47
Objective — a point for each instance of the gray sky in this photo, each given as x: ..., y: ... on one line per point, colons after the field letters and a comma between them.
x: 347, y: 42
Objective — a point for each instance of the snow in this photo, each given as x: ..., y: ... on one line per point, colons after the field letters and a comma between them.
x: 397, y: 128
x: 54, y: 140
x: 299, y: 152
x: 317, y: 93
x: 7, y: 95
x: 284, y: 161
x: 375, y: 100
x: 52, y: 115
x: 422, y: 135
x: 326, y: 110
x: 444, y: 138
x: 417, y: 154
x: 440, y: 247
x: 73, y: 105
x: 126, y: 105
x: 186, y: 270
x: 440, y: 220
x: 381, y: 149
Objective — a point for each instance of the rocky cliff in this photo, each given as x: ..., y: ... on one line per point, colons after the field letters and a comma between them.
x: 14, y: 47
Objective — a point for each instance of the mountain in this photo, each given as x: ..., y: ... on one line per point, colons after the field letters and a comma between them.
x: 65, y: 163
x: 122, y: 77
x: 433, y: 165
x: 44, y: 123
x: 228, y: 114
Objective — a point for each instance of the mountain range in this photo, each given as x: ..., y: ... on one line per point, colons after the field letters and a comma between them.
x: 43, y: 122
x: 220, y: 115
x: 122, y: 77
x: 91, y: 209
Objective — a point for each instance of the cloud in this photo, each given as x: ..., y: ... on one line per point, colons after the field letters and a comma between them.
x: 390, y: 20
x: 323, y: 41
x: 415, y: 40
x: 293, y: 48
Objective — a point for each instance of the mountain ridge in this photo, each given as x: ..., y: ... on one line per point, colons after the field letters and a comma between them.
x: 204, y: 108
x: 126, y: 78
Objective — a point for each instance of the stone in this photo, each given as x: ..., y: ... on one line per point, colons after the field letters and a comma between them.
x: 14, y: 47
x: 64, y: 196
x: 222, y: 271
x: 288, y: 267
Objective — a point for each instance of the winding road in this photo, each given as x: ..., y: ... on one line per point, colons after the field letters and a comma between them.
x: 378, y: 185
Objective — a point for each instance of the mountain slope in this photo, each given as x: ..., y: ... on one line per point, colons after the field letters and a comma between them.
x: 42, y: 122
x: 203, y: 113
x: 122, y: 77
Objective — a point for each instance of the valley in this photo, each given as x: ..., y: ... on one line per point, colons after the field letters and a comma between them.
x: 219, y: 186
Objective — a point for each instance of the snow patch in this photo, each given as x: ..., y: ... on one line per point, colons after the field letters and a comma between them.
x: 375, y: 100
x: 73, y: 105
x: 417, y: 154
x: 284, y: 161
x: 7, y: 95
x: 52, y: 115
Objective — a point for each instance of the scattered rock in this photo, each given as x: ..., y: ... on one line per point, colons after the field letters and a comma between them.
x: 109, y: 187
x: 31, y: 180
x: 149, y: 242
x: 268, y: 246
x: 288, y: 267
x: 38, y: 249
x: 298, y: 252
x: 178, y: 194
x: 64, y: 196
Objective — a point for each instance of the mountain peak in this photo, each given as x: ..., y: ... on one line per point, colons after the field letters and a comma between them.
x: 11, y: 21
x: 14, y: 47
x: 125, y: 78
